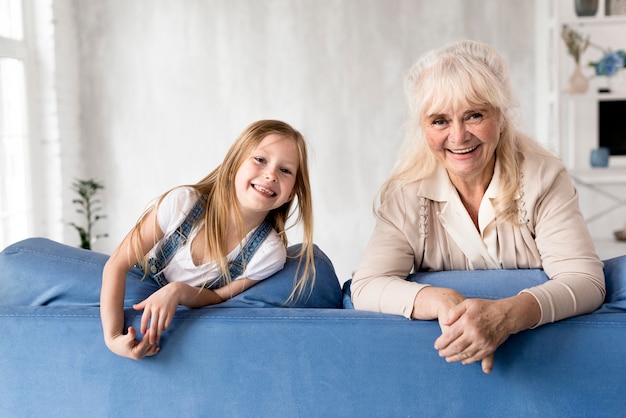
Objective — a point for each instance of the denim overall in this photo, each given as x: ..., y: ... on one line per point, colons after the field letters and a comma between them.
x: 178, y: 238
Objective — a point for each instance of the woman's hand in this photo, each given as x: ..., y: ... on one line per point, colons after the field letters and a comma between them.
x: 475, y: 328
x: 471, y: 332
x: 432, y: 302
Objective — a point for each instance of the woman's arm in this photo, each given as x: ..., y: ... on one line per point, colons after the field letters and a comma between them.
x: 379, y: 284
x: 472, y: 330
x: 576, y: 284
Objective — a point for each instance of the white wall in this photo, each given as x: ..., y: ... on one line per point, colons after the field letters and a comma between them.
x: 165, y: 87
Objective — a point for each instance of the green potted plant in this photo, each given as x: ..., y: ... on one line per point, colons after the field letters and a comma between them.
x: 88, y: 205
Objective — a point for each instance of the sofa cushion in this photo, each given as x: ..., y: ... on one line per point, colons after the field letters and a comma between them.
x: 498, y: 284
x: 484, y: 284
x: 39, y: 271
x: 275, y: 290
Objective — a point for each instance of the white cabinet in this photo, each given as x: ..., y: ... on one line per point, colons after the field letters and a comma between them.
x: 568, y: 123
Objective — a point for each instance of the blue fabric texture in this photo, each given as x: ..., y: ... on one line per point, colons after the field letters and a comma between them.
x: 41, y: 272
x: 258, y: 362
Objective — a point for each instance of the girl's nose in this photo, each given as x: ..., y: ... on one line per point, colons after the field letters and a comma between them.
x: 270, y: 175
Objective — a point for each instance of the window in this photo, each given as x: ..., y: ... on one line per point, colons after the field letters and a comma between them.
x: 15, y: 212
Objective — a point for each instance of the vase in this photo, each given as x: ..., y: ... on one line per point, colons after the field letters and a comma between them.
x: 586, y: 7
x: 578, y: 82
x: 600, y: 157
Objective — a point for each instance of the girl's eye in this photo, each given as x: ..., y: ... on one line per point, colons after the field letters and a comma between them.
x: 259, y: 160
x: 285, y: 170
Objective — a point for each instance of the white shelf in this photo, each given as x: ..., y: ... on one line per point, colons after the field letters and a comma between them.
x: 568, y: 13
x: 600, y: 176
x: 594, y: 95
x: 597, y: 20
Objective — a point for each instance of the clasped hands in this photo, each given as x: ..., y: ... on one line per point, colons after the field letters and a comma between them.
x: 472, y: 329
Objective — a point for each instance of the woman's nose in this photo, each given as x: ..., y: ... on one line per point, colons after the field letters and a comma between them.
x: 458, y: 132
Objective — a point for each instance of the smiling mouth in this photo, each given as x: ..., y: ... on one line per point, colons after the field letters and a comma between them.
x: 463, y: 151
x: 263, y: 190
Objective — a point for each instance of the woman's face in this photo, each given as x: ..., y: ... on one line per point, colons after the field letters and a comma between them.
x: 464, y: 140
x: 266, y: 179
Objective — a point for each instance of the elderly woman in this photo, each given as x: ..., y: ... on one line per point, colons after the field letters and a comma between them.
x: 469, y: 192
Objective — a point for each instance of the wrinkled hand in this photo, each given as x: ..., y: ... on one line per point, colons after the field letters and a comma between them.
x: 158, y: 311
x: 126, y: 345
x: 472, y: 331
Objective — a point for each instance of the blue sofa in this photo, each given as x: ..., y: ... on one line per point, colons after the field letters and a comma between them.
x: 252, y: 356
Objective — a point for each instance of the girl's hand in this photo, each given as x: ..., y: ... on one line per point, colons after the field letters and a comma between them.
x: 125, y: 345
x: 158, y: 310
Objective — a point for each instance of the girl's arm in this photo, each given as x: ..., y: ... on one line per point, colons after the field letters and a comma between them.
x: 194, y: 297
x: 114, y: 288
x: 160, y: 307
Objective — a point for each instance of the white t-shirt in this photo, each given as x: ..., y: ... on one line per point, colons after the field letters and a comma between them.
x: 269, y: 258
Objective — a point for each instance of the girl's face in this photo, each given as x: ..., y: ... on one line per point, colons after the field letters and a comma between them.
x: 266, y: 178
x: 464, y: 140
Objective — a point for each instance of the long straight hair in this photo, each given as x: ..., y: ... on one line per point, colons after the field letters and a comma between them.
x: 221, y: 203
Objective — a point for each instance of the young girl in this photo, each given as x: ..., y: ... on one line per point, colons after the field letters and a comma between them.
x: 238, y: 210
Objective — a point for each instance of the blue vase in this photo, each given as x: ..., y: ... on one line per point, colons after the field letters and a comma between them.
x: 600, y: 157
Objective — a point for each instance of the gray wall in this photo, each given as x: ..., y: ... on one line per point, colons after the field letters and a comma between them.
x: 166, y: 86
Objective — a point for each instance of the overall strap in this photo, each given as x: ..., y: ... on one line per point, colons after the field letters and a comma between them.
x: 237, y: 266
x: 179, y: 237
x: 173, y: 242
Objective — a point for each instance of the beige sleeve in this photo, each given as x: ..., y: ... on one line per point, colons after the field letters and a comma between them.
x: 576, y: 284
x: 379, y: 283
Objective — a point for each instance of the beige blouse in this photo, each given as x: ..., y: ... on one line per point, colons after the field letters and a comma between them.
x: 424, y: 227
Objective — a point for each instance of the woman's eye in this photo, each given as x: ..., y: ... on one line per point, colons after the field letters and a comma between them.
x: 475, y: 117
x: 439, y: 123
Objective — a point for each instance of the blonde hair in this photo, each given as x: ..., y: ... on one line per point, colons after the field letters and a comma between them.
x: 221, y: 201
x: 463, y: 73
